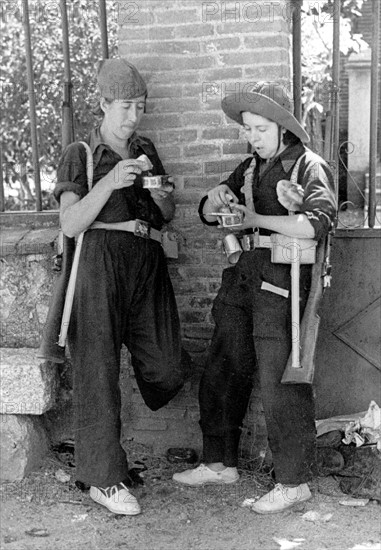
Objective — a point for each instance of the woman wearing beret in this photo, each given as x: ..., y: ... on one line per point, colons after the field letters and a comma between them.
x: 253, y: 319
x: 123, y: 293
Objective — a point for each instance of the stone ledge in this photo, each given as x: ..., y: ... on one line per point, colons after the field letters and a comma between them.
x: 22, y: 242
x: 28, y: 385
x: 29, y: 220
x: 24, y: 233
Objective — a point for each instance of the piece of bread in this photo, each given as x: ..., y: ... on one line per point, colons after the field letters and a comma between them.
x: 144, y: 163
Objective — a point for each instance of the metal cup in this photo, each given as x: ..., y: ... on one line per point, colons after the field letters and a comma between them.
x: 232, y: 248
x: 232, y: 219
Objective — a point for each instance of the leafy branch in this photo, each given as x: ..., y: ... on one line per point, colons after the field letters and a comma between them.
x: 85, y: 51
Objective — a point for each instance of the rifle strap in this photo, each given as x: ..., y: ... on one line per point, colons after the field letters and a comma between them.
x: 295, y: 171
x: 89, y: 164
x: 69, y: 297
x: 247, y: 188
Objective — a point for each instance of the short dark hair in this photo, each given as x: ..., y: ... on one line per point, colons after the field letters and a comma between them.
x: 97, y: 109
x: 290, y: 139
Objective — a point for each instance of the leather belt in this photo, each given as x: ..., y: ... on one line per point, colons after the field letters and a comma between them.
x: 254, y: 240
x: 139, y: 228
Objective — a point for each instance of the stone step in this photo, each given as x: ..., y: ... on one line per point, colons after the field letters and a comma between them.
x: 28, y: 385
x: 23, y: 446
x: 28, y: 388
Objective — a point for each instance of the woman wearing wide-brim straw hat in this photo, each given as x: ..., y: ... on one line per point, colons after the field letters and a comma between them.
x: 252, y: 311
x: 123, y: 294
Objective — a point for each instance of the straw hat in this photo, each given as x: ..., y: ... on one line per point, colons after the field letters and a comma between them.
x: 268, y: 99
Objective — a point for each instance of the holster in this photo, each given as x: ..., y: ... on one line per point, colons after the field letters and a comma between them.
x: 170, y: 245
x: 284, y: 249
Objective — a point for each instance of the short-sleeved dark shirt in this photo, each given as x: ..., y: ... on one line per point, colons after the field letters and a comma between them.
x: 315, y: 176
x: 125, y: 204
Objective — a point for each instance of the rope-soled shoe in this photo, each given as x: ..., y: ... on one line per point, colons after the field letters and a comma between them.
x: 281, y: 498
x: 202, y: 475
x: 117, y: 499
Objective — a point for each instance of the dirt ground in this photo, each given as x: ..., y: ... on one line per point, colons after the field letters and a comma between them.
x: 42, y: 512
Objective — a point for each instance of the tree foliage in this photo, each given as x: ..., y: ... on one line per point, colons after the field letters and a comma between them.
x: 85, y: 50
x: 317, y: 51
x: 317, y: 31
x: 48, y: 67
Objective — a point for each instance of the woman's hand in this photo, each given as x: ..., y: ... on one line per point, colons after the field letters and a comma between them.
x: 162, y: 193
x: 221, y: 196
x: 163, y: 197
x: 250, y: 219
x: 122, y: 175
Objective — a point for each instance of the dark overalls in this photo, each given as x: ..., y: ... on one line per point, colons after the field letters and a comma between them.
x: 253, y: 331
x: 123, y: 295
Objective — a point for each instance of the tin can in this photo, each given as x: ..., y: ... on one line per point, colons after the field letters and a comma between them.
x: 231, y: 219
x: 154, y: 182
x: 232, y: 248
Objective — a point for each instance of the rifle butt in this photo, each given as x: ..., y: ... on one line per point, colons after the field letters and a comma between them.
x: 305, y: 373
x: 49, y: 349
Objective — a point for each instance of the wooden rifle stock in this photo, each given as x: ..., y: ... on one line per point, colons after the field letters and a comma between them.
x: 309, y: 327
x: 49, y: 349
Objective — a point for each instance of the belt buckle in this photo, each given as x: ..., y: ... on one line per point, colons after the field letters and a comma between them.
x: 142, y: 229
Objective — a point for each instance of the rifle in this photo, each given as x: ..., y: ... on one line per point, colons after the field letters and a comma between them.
x: 320, y: 279
x: 309, y: 327
x: 56, y: 327
x: 49, y: 349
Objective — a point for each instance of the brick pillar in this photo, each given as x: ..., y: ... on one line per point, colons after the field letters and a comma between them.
x: 192, y: 53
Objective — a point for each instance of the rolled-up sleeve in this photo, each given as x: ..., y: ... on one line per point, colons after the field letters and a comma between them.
x: 71, y: 172
x: 319, y: 203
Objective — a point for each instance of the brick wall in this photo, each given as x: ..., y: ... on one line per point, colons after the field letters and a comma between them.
x: 192, y: 53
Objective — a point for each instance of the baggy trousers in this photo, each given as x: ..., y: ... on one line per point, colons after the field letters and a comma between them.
x: 253, y: 331
x: 123, y: 295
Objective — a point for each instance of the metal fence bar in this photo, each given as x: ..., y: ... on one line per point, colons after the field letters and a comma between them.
x: 103, y: 22
x: 2, y: 195
x: 32, y: 106
x: 67, y: 102
x: 297, y: 59
x: 374, y: 113
x: 335, y: 94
